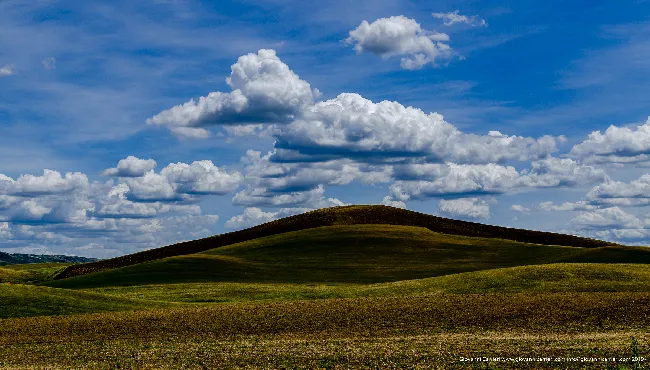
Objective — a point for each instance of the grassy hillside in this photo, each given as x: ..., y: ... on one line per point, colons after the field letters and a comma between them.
x: 18, y: 300
x: 31, y: 272
x: 552, y: 278
x: 348, y: 215
x: 358, y: 254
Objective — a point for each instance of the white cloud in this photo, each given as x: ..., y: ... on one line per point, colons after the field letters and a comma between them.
x: 519, y: 208
x: 201, y: 177
x: 453, y: 17
x: 253, y: 196
x: 401, y: 36
x: 354, y: 127
x: 182, y: 182
x: 264, y: 90
x: 555, y: 172
x: 131, y: 167
x: 253, y: 216
x: 5, y: 231
x: 634, y: 193
x: 153, y: 187
x: 616, y: 145
x: 567, y: 206
x: 466, y: 207
x: 454, y: 179
x: 49, y: 63
x: 388, y: 201
x: 50, y: 183
x: 6, y: 70
x: 607, y: 218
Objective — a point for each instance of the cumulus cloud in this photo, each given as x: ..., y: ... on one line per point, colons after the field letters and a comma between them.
x: 400, y: 36
x: 61, y: 214
x: 256, y: 196
x: 6, y: 70
x: 449, y: 19
x: 5, y: 231
x: 354, y: 127
x: 253, y: 216
x: 283, y: 177
x: 49, y: 63
x: 519, y: 208
x: 458, y: 180
x: 607, y: 218
x: 555, y: 172
x: 264, y: 90
x: 466, y: 207
x: 201, y: 177
x: 181, y: 181
x: 388, y: 201
x: 616, y: 145
x: 633, y: 193
x: 567, y: 206
x: 131, y: 167
x: 51, y: 182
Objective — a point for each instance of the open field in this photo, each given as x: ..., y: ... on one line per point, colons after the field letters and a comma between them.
x: 30, y: 273
x: 341, y: 296
x: 428, y: 331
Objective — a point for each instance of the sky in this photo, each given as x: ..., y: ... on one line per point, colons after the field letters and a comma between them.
x: 127, y: 126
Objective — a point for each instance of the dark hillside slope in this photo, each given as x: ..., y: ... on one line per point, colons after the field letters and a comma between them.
x: 343, y: 254
x: 347, y: 215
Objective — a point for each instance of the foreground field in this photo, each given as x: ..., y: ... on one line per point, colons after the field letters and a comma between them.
x: 342, y: 296
x: 432, y: 331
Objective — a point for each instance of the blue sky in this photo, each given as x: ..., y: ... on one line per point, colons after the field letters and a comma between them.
x: 132, y: 125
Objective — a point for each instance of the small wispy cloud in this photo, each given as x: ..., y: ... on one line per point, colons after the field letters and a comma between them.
x: 451, y: 18
x: 49, y: 63
x: 6, y: 70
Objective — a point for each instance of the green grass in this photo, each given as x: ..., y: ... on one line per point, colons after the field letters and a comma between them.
x: 347, y: 254
x: 552, y: 278
x: 30, y: 273
x: 345, y: 296
x: 18, y: 300
x: 357, y: 332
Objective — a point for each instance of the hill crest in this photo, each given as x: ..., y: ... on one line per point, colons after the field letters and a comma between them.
x: 344, y: 215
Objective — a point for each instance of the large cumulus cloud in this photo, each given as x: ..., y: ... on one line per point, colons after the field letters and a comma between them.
x: 616, y: 145
x: 264, y: 90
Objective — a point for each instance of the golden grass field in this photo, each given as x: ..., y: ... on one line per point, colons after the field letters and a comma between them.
x: 338, y: 297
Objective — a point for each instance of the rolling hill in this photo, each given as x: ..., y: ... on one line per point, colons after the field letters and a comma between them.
x: 346, y: 215
x: 22, y: 258
x: 348, y: 254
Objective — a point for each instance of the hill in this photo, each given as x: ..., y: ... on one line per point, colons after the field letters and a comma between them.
x: 19, y: 300
x: 348, y: 254
x: 347, y: 215
x: 21, y: 258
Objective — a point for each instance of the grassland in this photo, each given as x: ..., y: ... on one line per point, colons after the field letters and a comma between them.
x: 338, y: 296
x: 30, y: 273
x: 344, y: 254
x: 346, y: 215
x: 380, y: 332
x: 539, y: 279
